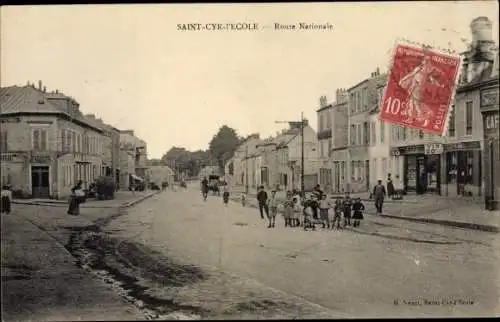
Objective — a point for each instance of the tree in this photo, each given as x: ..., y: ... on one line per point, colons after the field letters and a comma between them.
x: 223, y: 144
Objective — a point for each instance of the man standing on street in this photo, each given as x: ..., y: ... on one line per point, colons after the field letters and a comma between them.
x: 379, y: 195
x: 262, y: 199
x: 204, y: 188
x: 318, y: 195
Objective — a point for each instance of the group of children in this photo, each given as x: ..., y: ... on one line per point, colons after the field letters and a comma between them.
x: 330, y: 215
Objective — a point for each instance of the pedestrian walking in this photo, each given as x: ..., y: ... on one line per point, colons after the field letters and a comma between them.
x: 204, y: 188
x: 225, y: 195
x: 358, y: 209
x: 390, y: 186
x: 324, y: 207
x: 76, y: 198
x: 347, y: 207
x: 6, y: 199
x: 262, y: 200
x: 379, y: 196
x: 337, y: 213
x: 273, y: 209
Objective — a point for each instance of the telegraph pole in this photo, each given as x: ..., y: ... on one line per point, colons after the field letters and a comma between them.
x: 246, y: 169
x: 302, y: 176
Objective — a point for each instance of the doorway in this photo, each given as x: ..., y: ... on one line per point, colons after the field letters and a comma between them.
x: 40, y: 184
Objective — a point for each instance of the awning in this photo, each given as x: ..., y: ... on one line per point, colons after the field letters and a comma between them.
x: 136, y: 177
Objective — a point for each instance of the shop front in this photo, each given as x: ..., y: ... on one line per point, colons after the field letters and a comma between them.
x: 421, y: 168
x: 491, y: 156
x: 463, y: 175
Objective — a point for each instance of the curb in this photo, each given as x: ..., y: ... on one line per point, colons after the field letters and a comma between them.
x: 458, y: 224
x: 443, y: 222
x: 61, y: 204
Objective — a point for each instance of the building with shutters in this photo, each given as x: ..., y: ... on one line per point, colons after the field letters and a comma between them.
x: 325, y: 129
x: 47, y: 144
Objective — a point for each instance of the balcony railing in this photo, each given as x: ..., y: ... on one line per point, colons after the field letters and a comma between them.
x: 325, y: 134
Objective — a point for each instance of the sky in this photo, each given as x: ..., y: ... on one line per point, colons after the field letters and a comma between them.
x: 131, y: 66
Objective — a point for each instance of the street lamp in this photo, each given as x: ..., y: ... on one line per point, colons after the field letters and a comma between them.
x: 302, y: 163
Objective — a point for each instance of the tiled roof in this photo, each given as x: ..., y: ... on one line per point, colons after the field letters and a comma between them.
x: 25, y: 99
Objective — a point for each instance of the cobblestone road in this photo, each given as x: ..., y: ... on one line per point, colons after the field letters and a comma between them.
x: 359, y: 273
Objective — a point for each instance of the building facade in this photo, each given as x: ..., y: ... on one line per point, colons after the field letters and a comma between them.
x: 325, y: 128
x: 340, y: 141
x: 47, y: 143
x: 363, y: 98
x: 133, y: 159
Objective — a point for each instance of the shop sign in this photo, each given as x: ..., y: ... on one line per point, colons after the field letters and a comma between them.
x: 434, y: 148
x: 491, y: 122
x: 395, y: 152
x: 412, y: 149
x: 489, y: 97
x: 462, y: 146
x: 43, y: 159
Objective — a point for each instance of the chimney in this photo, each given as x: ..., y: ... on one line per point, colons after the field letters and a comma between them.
x: 45, y: 89
x: 378, y: 71
x: 57, y: 91
x: 40, y: 85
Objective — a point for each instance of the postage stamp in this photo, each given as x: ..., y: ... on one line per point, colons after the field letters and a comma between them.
x: 420, y: 88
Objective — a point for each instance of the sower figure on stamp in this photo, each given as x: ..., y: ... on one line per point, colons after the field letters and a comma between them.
x: 414, y: 83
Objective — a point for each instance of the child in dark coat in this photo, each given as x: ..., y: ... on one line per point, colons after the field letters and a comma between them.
x: 347, y: 206
x: 337, y: 213
x: 5, y: 206
x: 358, y: 209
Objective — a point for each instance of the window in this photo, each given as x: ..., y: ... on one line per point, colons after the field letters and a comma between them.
x: 321, y: 121
x: 374, y: 133
x: 451, y: 122
x: 329, y: 147
x: 468, y: 118
x: 420, y: 134
x: 79, y: 143
x: 384, y: 166
x: 73, y: 141
x: 395, y: 133
x: 68, y: 141
x: 366, y: 134
x: 470, y: 166
x: 321, y: 152
x: 328, y: 119
x: 3, y: 141
x: 39, y: 139
x: 358, y: 101
x: 353, y: 170
x: 365, y: 99
x: 375, y: 170
x: 359, y: 137
x: 451, y: 161
x: 380, y: 94
x: 353, y: 134
x: 382, y: 132
x: 342, y: 170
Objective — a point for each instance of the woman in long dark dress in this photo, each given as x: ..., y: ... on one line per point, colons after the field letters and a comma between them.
x: 6, y: 201
x: 74, y: 201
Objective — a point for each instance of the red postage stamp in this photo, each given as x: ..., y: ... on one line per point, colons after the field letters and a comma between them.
x: 420, y: 88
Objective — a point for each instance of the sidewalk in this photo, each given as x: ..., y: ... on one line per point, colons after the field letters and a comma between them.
x: 122, y: 199
x: 456, y: 212
x: 41, y: 281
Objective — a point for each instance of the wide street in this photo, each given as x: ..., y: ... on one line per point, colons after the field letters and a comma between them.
x: 387, y: 268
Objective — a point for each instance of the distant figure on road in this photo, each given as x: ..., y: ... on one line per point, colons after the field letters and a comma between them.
x: 358, y: 209
x: 318, y: 195
x: 324, y: 207
x: 390, y: 186
x: 347, y: 207
x: 273, y: 209
x: 204, y: 188
x: 6, y: 201
x: 289, y: 209
x: 76, y: 198
x: 337, y: 213
x: 225, y: 195
x: 262, y: 199
x: 379, y: 196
